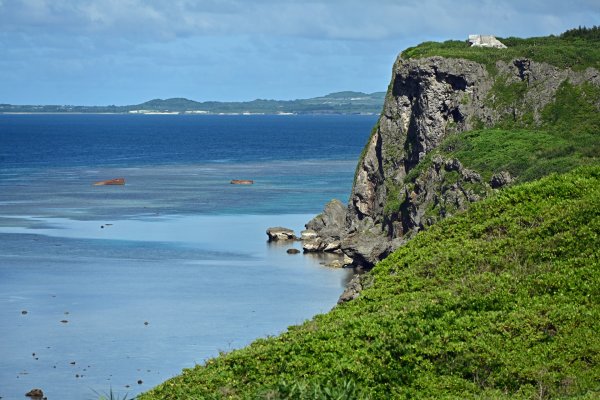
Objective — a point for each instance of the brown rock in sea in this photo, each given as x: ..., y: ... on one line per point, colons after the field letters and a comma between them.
x: 116, y: 181
x: 35, y: 394
x: 242, y: 182
x: 293, y: 251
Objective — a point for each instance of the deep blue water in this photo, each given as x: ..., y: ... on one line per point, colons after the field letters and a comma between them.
x: 178, y: 246
x: 137, y: 140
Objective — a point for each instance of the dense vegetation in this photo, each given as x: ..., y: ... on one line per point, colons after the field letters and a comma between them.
x: 502, y: 301
x: 577, y: 49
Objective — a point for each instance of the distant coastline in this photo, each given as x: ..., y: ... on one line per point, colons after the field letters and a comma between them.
x: 334, y: 103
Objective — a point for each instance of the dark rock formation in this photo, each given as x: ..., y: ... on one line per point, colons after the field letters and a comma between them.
x: 323, y: 232
x: 292, y: 251
x: 279, y: 233
x: 427, y: 100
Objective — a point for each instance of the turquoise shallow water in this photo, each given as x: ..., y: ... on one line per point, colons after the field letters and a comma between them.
x: 203, y: 284
x: 177, y: 247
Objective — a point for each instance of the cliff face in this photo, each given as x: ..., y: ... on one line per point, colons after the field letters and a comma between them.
x: 395, y: 193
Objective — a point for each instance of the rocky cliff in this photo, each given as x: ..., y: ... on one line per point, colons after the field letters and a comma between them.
x: 401, y: 185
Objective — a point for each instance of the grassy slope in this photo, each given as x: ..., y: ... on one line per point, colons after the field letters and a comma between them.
x: 500, y: 301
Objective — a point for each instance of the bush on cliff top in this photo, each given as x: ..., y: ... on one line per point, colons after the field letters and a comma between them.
x: 566, y: 51
x: 502, y: 301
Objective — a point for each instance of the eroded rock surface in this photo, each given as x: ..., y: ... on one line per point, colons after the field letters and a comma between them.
x: 394, y: 195
x: 323, y: 232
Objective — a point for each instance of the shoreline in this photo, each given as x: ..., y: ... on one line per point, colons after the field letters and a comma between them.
x: 195, y: 285
x: 183, y: 113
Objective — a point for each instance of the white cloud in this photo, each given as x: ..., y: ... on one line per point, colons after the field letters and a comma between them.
x: 346, y: 20
x: 94, y: 51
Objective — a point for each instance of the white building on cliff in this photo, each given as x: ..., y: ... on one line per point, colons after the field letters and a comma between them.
x: 485, y: 41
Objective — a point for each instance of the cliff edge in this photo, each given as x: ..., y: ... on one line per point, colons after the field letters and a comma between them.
x: 408, y: 176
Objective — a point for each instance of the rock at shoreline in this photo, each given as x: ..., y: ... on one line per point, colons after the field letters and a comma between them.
x: 242, y: 182
x: 116, y: 181
x: 308, y: 234
x: 293, y: 251
x: 323, y: 232
x: 279, y: 233
x: 339, y: 263
x: 312, y: 245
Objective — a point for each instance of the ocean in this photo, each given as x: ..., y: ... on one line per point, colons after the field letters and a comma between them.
x: 121, y: 287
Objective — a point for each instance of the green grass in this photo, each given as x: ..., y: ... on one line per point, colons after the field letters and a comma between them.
x: 501, y: 301
x: 526, y: 154
x: 574, y: 111
x: 576, y: 52
x: 567, y: 136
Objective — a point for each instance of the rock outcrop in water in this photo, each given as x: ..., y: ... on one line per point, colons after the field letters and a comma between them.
x: 35, y: 394
x: 428, y: 99
x: 279, y: 233
x: 116, y: 181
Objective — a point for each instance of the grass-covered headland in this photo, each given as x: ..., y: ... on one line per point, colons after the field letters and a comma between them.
x: 502, y: 301
x: 576, y: 48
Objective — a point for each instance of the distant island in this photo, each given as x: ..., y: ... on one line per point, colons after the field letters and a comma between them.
x: 346, y: 102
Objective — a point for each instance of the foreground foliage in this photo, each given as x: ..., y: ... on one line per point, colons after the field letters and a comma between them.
x: 502, y: 301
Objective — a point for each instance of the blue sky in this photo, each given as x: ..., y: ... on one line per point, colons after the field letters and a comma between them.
x: 100, y: 52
